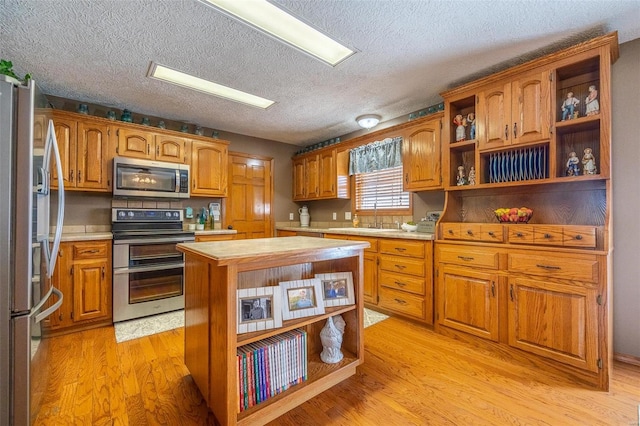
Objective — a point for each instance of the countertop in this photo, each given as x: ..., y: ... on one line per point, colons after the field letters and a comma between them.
x: 363, y: 232
x: 216, y: 232
x: 86, y: 236
x: 239, y: 250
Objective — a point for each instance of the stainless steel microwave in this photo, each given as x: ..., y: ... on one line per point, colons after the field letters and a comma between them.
x: 133, y: 177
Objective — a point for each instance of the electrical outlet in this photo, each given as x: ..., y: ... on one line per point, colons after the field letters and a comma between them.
x: 335, y: 216
x: 290, y: 216
x: 347, y: 215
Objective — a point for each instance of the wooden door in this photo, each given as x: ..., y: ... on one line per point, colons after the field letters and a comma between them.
x: 493, y: 116
x: 327, y: 174
x: 421, y: 157
x: 370, y: 278
x: 90, y: 290
x: 312, y: 166
x: 66, y: 135
x: 209, y: 163
x: 171, y: 149
x: 557, y: 321
x: 248, y: 207
x: 468, y: 301
x: 92, y: 160
x: 531, y: 109
x: 135, y: 143
x: 299, y: 181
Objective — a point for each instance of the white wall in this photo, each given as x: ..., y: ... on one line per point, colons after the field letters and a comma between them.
x: 626, y: 199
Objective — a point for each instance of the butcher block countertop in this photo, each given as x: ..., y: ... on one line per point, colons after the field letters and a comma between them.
x: 239, y: 251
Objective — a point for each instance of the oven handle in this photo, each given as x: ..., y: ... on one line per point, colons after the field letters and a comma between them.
x: 119, y: 271
x: 155, y: 240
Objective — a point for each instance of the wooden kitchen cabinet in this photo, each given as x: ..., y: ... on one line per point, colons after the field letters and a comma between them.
x: 83, y: 274
x: 321, y: 175
x: 214, y: 237
x: 140, y: 143
x: 209, y: 163
x: 421, y: 157
x: 84, y: 153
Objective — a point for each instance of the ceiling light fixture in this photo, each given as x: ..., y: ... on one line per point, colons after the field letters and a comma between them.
x: 160, y: 72
x: 368, y: 121
x: 277, y: 23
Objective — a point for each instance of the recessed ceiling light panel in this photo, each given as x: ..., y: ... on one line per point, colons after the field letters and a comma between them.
x: 277, y: 23
x: 160, y: 72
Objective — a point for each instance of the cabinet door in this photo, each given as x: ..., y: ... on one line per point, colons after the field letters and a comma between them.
x: 90, y: 287
x: 469, y: 301
x: 92, y: 160
x: 135, y: 143
x: 530, y: 114
x: 557, y: 321
x: 171, y: 149
x: 421, y: 157
x: 299, y: 181
x: 494, y: 116
x: 370, y: 281
x: 66, y: 135
x: 62, y: 281
x: 209, y: 162
x: 312, y: 166
x: 327, y: 174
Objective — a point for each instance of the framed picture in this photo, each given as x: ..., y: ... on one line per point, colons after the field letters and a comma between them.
x: 301, y: 298
x: 337, y: 288
x: 259, y: 309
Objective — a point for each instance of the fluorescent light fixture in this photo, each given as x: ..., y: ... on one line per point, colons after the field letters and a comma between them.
x: 274, y: 21
x: 368, y: 121
x: 179, y: 78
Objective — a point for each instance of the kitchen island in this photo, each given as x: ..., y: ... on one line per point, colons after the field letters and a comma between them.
x: 215, y: 271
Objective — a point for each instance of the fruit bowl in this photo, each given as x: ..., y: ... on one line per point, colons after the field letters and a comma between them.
x: 514, y: 215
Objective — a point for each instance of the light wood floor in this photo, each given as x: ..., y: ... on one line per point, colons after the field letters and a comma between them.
x: 411, y: 376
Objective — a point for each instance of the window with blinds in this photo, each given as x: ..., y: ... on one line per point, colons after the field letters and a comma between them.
x: 381, y: 190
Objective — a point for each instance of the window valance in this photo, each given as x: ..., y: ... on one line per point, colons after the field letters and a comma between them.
x: 374, y: 156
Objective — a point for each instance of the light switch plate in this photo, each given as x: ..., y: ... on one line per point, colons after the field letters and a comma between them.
x: 347, y: 215
x: 335, y: 216
x: 290, y: 216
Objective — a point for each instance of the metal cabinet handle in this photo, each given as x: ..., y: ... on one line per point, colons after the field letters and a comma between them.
x: 493, y: 288
x: 401, y: 284
x: 401, y: 249
x: 70, y: 175
x: 400, y: 266
x: 552, y: 268
x: 148, y: 148
x: 515, y: 130
x: 103, y: 272
x: 79, y: 176
x: 469, y: 232
x: 400, y: 301
x: 450, y: 231
x: 511, y: 292
x: 491, y: 233
x: 465, y: 258
x: 506, y: 131
x: 578, y: 237
x: 157, y: 151
x: 547, y: 236
x: 519, y: 234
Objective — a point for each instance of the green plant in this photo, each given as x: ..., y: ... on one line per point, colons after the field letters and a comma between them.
x: 6, y: 68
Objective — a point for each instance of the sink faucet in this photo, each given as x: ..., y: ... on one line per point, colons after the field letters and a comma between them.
x: 375, y: 217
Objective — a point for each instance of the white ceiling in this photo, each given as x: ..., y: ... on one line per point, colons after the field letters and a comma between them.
x: 99, y: 51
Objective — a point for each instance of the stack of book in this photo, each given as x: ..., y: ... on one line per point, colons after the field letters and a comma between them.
x: 270, y: 366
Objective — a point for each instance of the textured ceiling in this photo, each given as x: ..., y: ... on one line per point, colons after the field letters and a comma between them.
x: 99, y: 51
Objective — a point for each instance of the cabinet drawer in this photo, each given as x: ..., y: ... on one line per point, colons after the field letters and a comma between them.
x: 372, y: 241
x: 548, y: 235
x: 470, y: 231
x: 493, y: 233
x: 520, y: 234
x: 402, y: 302
x: 90, y: 250
x: 486, y: 258
x: 579, y: 236
x: 451, y: 231
x: 402, y: 265
x: 584, y: 268
x: 401, y: 282
x: 402, y: 248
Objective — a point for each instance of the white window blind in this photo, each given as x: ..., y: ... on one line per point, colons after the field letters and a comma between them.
x: 381, y: 190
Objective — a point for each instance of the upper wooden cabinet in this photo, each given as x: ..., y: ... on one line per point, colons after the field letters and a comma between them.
x: 421, y: 156
x: 84, y: 153
x: 321, y: 175
x: 209, y: 163
x: 138, y: 143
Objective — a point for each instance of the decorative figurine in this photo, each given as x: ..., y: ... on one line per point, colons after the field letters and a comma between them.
x: 198, y: 131
x: 126, y: 116
x: 83, y: 109
x: 572, y: 164
x: 111, y: 115
x: 593, y: 107
x: 184, y: 128
x: 145, y: 121
x: 569, y: 106
x: 588, y: 162
x: 471, y: 120
x: 472, y: 176
x: 461, y: 122
x: 461, y: 179
x: 161, y: 125
x: 331, y: 338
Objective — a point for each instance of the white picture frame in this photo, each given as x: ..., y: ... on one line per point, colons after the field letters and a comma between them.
x: 301, y: 298
x: 267, y: 314
x: 337, y: 289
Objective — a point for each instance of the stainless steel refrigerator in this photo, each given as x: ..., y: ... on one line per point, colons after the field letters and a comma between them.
x: 28, y: 150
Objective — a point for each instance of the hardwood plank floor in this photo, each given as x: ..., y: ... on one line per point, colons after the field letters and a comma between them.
x: 411, y: 376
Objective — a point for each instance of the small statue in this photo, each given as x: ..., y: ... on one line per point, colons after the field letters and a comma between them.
x: 461, y: 122
x: 471, y: 120
x: 593, y: 107
x: 461, y: 179
x: 472, y: 176
x: 569, y: 106
x: 572, y: 164
x: 588, y: 162
x: 331, y: 338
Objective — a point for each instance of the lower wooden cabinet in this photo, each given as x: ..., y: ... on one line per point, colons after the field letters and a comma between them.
x: 214, y: 237
x: 83, y: 274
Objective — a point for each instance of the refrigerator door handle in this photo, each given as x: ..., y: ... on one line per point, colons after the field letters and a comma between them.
x: 51, y: 138
x: 51, y: 309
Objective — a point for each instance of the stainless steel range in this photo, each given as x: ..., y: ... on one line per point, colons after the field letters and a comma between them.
x: 148, y: 271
